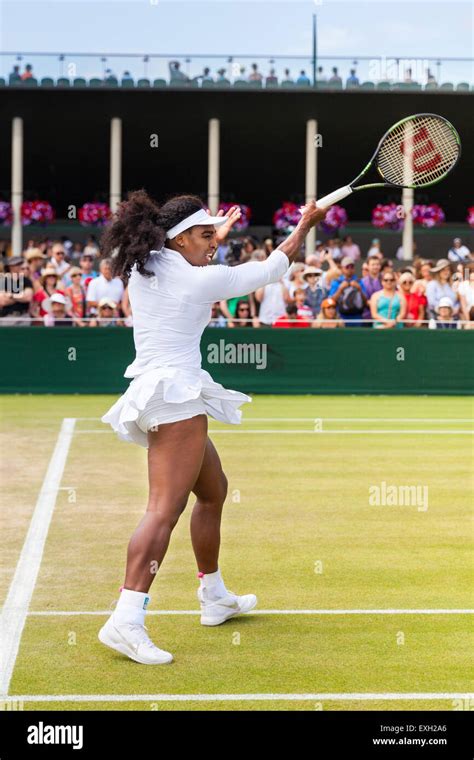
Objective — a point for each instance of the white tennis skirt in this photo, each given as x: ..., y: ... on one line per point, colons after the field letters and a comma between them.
x: 170, y: 394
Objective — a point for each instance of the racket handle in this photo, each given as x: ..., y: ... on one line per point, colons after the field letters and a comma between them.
x: 337, y: 195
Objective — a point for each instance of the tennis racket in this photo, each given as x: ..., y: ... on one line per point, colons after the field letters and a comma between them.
x: 417, y: 151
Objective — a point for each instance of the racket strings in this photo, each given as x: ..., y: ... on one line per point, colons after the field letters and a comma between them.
x: 418, y: 151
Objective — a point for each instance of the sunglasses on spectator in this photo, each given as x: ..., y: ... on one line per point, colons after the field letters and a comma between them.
x: 389, y: 279
x: 78, y: 274
x: 349, y: 266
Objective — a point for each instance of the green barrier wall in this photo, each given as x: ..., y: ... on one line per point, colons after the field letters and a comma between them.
x: 408, y: 361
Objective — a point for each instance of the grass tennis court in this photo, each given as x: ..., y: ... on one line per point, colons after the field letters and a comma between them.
x: 300, y: 531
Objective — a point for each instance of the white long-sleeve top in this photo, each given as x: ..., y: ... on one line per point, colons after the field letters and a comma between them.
x: 172, y: 307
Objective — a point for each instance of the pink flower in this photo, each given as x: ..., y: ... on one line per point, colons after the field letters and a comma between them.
x: 94, y: 213
x: 336, y: 217
x: 245, y: 211
x: 287, y: 216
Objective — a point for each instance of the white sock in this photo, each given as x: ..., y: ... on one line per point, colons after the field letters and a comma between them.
x: 131, y: 607
x: 212, y: 586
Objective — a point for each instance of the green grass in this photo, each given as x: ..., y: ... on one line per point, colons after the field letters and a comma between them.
x: 298, y: 530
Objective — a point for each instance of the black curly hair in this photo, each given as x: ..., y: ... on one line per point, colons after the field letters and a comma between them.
x: 140, y: 226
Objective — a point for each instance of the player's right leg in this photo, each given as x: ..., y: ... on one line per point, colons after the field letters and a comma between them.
x: 175, y: 456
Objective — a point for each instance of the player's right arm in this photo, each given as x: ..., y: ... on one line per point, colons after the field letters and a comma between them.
x: 219, y: 282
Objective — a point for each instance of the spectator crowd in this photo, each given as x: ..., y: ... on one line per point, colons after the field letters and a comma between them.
x: 243, y: 74
x: 61, y: 283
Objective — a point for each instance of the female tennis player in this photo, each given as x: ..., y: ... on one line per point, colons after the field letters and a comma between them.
x: 164, y: 253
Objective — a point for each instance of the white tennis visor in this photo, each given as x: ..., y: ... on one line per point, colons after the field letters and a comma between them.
x: 199, y: 217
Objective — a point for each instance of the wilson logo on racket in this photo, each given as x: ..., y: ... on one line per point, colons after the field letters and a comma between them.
x: 417, y: 151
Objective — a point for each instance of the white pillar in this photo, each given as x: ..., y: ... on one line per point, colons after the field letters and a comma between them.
x: 115, y: 190
x: 213, y: 166
x: 17, y: 185
x: 311, y: 177
x: 407, y: 239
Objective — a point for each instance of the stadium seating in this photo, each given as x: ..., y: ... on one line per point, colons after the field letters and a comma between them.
x: 184, y: 83
x: 408, y: 86
x: 240, y: 84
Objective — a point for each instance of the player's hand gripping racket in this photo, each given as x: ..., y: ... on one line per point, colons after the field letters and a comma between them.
x: 417, y: 151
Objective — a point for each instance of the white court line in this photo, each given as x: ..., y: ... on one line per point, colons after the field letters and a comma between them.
x: 68, y: 613
x: 15, y: 609
x: 311, y: 432
x: 336, y: 419
x: 328, y: 697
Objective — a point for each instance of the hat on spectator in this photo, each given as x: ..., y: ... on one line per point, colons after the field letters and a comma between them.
x: 58, y: 298
x: 73, y: 271
x: 48, y: 271
x: 444, y: 302
x: 107, y: 302
x: 87, y: 255
x: 298, y: 266
x: 34, y: 253
x: 14, y: 261
x: 311, y: 270
x: 442, y: 264
x: 346, y: 261
x: 90, y: 250
x: 328, y: 302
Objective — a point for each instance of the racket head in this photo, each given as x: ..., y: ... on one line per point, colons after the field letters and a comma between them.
x: 418, y: 151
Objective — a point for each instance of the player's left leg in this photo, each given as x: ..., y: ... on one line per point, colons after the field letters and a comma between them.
x: 217, y: 603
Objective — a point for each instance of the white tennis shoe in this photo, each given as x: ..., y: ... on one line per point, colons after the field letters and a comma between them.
x: 133, y: 641
x: 217, y: 612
